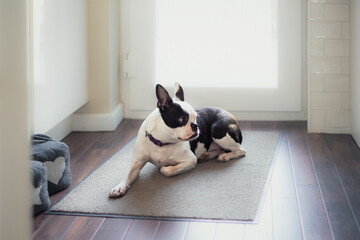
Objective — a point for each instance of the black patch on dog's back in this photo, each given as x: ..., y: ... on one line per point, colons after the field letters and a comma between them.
x: 173, y: 114
x: 215, y: 123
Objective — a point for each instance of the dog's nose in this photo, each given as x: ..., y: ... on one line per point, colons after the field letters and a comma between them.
x: 194, y: 126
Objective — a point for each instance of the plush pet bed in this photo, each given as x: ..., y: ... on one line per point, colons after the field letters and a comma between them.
x: 55, y: 155
x: 50, y: 170
x: 41, y: 200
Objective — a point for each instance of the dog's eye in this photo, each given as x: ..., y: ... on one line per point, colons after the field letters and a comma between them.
x: 183, y: 120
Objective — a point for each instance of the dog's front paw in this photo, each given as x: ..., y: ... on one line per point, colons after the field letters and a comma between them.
x: 224, y: 157
x: 118, y: 191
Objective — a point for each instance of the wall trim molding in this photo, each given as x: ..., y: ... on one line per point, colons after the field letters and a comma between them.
x: 61, y: 130
x: 91, y: 122
x: 242, y: 116
x: 87, y: 122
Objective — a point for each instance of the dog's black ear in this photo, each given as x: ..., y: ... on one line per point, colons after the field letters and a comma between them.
x: 164, y: 100
x: 179, y: 92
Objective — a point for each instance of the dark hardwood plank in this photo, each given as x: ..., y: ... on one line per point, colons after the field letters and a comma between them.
x: 265, y: 125
x: 340, y: 215
x: 303, y: 168
x: 312, y: 210
x: 38, y: 221
x: 342, y: 150
x: 245, y: 125
x: 113, y: 228
x: 91, y: 160
x: 83, y: 228
x: 47, y: 230
x: 80, y: 142
x: 124, y: 134
x: 171, y: 230
x: 315, y: 222
x: 142, y: 229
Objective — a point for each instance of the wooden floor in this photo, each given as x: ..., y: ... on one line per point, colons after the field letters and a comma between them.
x: 314, y: 192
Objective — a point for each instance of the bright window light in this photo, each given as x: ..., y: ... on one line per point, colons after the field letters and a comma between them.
x: 216, y: 43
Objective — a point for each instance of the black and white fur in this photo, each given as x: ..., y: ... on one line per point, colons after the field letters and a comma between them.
x: 188, y: 136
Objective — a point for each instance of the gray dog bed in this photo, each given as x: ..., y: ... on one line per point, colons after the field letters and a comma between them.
x: 41, y: 200
x: 55, y: 156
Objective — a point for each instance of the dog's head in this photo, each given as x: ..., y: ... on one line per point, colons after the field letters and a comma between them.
x: 178, y: 116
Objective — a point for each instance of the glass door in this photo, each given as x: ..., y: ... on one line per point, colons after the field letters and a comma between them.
x: 236, y: 54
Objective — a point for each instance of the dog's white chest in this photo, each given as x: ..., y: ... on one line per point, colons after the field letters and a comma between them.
x: 168, y: 155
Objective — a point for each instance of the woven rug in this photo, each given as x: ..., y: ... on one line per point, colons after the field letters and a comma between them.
x: 213, y: 190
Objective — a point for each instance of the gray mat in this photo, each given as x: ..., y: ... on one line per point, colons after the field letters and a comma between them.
x: 213, y: 190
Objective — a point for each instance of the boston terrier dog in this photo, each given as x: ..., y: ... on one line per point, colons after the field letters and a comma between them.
x: 175, y: 136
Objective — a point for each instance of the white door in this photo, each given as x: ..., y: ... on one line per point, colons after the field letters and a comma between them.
x: 244, y: 56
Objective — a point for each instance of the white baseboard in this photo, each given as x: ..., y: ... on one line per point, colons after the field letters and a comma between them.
x: 87, y: 123
x: 97, y: 122
x: 61, y: 130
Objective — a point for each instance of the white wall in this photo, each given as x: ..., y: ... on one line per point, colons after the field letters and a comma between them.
x: 355, y: 69
x: 329, y: 79
x: 76, y: 69
x: 15, y: 208
x: 59, y: 60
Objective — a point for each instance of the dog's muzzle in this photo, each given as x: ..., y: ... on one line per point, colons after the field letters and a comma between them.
x: 194, y: 127
x: 196, y: 134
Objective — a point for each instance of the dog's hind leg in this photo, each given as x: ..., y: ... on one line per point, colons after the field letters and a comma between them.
x: 234, y: 150
x: 213, y: 152
x: 229, y: 140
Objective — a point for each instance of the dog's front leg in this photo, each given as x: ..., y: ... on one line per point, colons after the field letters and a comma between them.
x: 124, y: 185
x: 179, y: 168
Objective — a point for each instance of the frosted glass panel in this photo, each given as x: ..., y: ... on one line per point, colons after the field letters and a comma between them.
x: 218, y: 43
